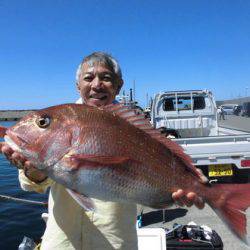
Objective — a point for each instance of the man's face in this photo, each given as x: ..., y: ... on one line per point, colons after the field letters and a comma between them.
x: 97, y: 85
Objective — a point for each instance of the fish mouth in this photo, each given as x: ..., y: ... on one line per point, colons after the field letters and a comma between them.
x: 14, y: 141
x: 19, y: 145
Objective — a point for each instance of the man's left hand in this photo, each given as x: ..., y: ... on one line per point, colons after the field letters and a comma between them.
x: 188, y: 199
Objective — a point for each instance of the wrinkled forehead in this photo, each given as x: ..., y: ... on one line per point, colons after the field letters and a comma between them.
x: 93, y: 65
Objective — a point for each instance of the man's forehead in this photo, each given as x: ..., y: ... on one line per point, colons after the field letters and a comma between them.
x: 92, y: 67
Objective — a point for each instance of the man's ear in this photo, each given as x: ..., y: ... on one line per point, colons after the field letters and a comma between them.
x: 77, y: 86
x: 119, y: 86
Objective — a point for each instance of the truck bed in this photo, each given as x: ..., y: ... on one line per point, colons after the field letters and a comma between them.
x: 220, y: 153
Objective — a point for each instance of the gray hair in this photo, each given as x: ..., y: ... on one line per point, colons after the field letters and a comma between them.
x: 100, y: 57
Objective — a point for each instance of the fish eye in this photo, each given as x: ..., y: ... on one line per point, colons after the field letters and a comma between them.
x: 43, y: 122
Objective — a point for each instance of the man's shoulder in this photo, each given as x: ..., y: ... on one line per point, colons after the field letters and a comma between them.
x: 79, y: 101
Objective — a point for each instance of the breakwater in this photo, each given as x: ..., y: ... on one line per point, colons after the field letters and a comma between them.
x: 13, y: 115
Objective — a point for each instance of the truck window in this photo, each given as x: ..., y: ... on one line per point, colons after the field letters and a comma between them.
x: 168, y: 104
x: 199, y: 102
x: 184, y: 103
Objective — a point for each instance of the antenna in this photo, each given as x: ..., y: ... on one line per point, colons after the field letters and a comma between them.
x: 130, y: 95
x: 134, y: 90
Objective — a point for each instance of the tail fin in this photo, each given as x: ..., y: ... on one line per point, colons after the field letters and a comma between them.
x: 231, y: 207
x: 2, y: 131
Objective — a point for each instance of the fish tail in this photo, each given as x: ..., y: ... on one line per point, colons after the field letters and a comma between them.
x: 231, y: 204
x: 2, y: 131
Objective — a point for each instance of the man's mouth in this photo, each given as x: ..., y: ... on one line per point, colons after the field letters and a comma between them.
x: 99, y: 96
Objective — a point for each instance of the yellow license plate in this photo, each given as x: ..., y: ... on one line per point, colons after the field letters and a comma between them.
x: 220, y: 170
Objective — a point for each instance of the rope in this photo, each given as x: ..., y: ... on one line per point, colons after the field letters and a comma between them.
x: 10, y: 198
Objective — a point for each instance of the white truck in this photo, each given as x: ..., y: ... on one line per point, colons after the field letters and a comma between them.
x: 222, y: 154
x: 192, y: 117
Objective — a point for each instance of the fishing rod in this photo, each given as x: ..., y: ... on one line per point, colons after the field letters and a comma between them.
x: 10, y: 198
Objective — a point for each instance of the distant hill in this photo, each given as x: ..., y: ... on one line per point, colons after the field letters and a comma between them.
x: 238, y: 101
x: 13, y: 115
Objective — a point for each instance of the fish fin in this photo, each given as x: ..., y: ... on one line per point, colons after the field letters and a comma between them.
x: 132, y: 116
x: 97, y: 160
x: 2, y: 131
x: 231, y: 206
x: 85, y: 202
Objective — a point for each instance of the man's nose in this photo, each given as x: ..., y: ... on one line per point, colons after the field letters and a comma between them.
x: 96, y: 83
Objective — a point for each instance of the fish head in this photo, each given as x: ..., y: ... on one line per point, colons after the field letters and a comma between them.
x: 43, y: 136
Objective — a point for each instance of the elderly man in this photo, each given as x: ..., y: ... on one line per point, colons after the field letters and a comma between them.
x: 99, y: 80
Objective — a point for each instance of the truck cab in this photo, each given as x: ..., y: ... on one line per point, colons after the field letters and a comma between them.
x: 191, y: 113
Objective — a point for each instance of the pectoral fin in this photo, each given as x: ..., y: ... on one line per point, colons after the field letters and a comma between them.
x: 77, y: 161
x: 85, y: 202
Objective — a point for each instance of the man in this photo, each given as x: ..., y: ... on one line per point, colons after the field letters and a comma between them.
x: 99, y: 80
x: 221, y: 113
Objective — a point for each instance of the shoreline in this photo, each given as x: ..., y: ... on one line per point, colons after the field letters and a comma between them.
x: 13, y: 115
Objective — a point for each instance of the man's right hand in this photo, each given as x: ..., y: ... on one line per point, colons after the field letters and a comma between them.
x: 21, y: 162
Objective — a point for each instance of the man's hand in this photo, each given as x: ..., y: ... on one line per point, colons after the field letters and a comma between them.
x: 191, y: 198
x: 21, y: 162
x: 188, y: 199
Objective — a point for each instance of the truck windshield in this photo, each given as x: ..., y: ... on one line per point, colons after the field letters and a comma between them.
x: 183, y: 103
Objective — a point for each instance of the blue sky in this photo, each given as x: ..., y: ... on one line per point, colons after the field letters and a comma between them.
x: 161, y: 45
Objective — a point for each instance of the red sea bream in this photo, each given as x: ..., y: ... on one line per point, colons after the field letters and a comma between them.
x: 111, y: 153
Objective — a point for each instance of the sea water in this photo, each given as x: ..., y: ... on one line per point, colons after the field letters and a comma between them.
x: 17, y: 219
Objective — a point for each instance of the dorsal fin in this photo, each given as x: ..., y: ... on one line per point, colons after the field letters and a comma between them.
x: 133, y: 117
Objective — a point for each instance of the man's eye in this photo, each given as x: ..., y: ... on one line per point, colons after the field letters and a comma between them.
x: 107, y: 78
x: 88, y: 78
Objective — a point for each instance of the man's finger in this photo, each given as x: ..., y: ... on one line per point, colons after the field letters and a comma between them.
x: 177, y: 197
x: 18, y: 157
x: 196, y: 200
x: 28, y: 165
x: 7, y: 150
x: 199, y: 203
x: 189, y: 199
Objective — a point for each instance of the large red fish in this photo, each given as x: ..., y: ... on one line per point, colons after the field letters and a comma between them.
x: 110, y: 153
